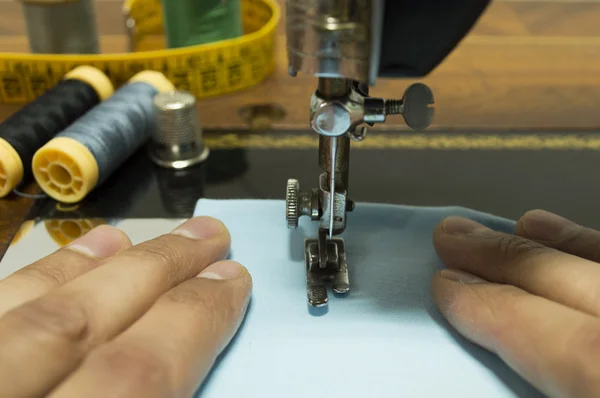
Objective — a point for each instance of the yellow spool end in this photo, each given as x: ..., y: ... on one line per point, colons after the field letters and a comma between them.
x: 155, y: 79
x: 11, y: 168
x: 95, y: 78
x: 65, y: 169
x: 66, y: 231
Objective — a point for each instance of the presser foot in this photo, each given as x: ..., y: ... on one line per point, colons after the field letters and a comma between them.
x: 325, y: 264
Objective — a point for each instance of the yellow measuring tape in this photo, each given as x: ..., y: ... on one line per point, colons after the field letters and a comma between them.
x: 206, y: 70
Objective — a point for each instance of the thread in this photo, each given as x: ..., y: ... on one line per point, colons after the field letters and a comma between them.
x: 61, y: 26
x: 113, y: 132
x: 29, y: 195
x: 192, y: 22
x: 394, y: 107
x: 22, y: 134
x: 85, y: 154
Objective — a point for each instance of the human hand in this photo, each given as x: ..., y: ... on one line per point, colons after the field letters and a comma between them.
x: 532, y: 298
x: 103, y: 318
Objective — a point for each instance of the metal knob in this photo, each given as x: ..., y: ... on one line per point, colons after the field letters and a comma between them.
x: 417, y: 110
x: 292, y: 203
x: 415, y: 107
x: 177, y: 141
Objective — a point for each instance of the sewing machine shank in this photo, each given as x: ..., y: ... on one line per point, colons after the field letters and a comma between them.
x: 347, y: 45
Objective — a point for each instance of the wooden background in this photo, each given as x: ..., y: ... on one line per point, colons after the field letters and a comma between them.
x: 527, y: 65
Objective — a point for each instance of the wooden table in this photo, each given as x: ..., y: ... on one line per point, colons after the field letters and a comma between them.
x: 527, y: 66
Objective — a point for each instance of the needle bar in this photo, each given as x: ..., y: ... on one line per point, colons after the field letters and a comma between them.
x: 332, y: 187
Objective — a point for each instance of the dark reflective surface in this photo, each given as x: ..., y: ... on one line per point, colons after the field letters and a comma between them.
x: 503, y: 182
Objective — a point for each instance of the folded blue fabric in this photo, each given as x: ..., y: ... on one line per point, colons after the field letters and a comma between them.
x: 386, y: 338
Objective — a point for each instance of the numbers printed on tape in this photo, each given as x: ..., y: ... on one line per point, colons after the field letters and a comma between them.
x: 204, y: 70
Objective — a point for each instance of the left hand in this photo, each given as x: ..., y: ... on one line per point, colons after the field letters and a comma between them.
x: 103, y: 318
x: 533, y: 298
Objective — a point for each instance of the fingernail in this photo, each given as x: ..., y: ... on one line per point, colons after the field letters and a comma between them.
x: 200, y: 228
x: 222, y: 270
x: 460, y: 276
x: 543, y: 225
x: 101, y: 242
x: 461, y: 226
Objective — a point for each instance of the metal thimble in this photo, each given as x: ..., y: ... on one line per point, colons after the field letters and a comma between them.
x: 177, y: 140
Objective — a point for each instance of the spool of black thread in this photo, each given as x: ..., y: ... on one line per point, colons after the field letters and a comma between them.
x: 34, y: 125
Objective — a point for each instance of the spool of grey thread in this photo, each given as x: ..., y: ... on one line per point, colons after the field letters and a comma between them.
x: 177, y: 141
x: 61, y: 26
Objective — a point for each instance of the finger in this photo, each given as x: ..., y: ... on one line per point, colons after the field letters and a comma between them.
x: 503, y: 258
x: 76, y: 317
x: 62, y: 266
x: 554, y: 347
x: 154, y: 359
x: 558, y: 232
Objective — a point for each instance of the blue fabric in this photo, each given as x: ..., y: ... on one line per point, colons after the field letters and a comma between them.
x: 386, y: 338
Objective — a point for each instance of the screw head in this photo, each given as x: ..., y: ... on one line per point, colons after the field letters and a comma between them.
x: 418, y: 112
x: 292, y: 204
x: 331, y: 119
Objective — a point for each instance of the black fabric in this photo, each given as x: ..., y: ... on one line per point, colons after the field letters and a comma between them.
x: 38, y: 122
x: 419, y: 34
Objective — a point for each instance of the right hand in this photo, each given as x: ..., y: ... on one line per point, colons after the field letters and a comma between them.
x: 532, y: 298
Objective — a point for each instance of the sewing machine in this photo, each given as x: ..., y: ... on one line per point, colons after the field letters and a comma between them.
x: 347, y: 45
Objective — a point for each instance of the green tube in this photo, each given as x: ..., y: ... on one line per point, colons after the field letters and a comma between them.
x: 193, y: 22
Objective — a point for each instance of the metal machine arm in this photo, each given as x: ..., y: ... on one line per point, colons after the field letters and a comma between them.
x: 347, y: 44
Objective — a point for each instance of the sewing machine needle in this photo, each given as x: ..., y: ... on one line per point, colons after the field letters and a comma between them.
x: 332, y: 187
